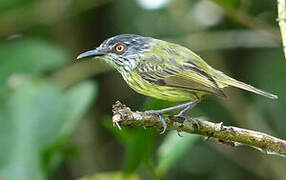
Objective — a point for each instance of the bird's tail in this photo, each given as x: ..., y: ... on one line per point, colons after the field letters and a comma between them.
x: 228, y: 81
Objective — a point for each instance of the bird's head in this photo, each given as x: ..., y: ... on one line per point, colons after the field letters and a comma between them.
x: 121, y: 51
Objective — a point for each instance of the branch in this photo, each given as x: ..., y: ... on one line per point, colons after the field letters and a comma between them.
x: 247, y: 20
x: 282, y: 22
x: 229, y: 135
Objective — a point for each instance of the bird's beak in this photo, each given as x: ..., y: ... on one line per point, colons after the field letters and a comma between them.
x: 91, y: 53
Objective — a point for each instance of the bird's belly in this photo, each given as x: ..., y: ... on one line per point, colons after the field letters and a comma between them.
x: 160, y: 92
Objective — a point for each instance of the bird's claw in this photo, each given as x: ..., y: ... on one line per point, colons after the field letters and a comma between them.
x: 191, y: 120
x: 179, y: 133
x: 162, y: 119
x: 164, y: 123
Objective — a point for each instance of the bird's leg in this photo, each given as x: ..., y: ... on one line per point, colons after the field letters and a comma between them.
x: 191, y: 120
x: 164, y: 123
x: 191, y: 103
x: 185, y: 110
x: 186, y: 107
x: 162, y: 119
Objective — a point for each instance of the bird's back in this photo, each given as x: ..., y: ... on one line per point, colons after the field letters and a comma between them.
x: 180, y: 70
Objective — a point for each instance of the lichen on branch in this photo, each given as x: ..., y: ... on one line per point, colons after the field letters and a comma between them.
x: 123, y: 116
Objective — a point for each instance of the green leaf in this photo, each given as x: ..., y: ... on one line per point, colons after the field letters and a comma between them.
x: 138, y: 143
x: 172, y: 150
x: 111, y: 176
x: 29, y: 56
x: 78, y: 99
x: 228, y: 3
x: 138, y: 151
x: 34, y: 116
x: 6, y: 4
x: 121, y: 135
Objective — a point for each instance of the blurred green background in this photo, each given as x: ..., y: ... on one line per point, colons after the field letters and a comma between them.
x: 55, y: 114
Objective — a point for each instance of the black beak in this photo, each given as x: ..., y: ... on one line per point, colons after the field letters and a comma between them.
x: 90, y: 54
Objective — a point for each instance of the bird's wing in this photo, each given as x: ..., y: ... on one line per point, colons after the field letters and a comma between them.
x: 185, y: 75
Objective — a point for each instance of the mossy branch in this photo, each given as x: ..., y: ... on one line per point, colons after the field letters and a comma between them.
x: 282, y: 22
x: 229, y: 135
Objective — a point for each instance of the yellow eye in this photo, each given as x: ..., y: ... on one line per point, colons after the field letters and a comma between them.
x: 119, y: 48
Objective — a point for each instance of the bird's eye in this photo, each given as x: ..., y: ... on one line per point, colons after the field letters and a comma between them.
x: 119, y: 48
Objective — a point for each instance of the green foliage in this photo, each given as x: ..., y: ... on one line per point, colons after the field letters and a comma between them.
x: 172, y: 150
x: 29, y: 56
x: 228, y: 3
x: 6, y: 4
x: 138, y: 143
x: 139, y: 148
x: 37, y: 116
x: 111, y: 176
x: 39, y: 112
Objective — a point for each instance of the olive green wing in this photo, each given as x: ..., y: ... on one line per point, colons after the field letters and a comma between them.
x: 184, y: 75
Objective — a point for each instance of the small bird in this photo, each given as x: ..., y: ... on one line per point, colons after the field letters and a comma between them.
x: 165, y: 71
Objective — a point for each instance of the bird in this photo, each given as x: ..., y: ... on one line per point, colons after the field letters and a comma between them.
x: 166, y: 71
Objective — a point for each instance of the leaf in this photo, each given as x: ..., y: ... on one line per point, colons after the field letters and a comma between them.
x: 78, y: 99
x: 138, y: 143
x: 172, y: 150
x: 121, y: 135
x: 228, y: 3
x: 29, y: 56
x: 139, y: 149
x: 6, y: 4
x: 35, y: 115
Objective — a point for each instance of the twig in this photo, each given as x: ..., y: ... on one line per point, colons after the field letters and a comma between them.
x: 282, y: 22
x: 216, y: 40
x: 122, y: 115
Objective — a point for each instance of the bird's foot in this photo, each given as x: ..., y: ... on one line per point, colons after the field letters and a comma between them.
x: 162, y: 119
x: 183, y: 115
x: 179, y: 133
x: 191, y: 120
